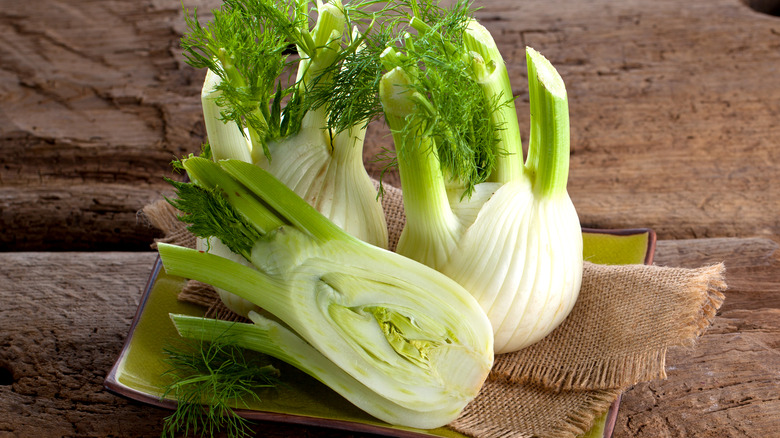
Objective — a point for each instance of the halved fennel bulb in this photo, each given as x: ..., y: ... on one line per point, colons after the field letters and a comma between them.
x: 417, y: 343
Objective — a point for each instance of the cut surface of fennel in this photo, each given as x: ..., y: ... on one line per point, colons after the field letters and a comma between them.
x: 412, y: 336
x: 271, y: 338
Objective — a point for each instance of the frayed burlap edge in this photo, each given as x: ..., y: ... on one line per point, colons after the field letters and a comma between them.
x: 499, y: 411
x: 165, y: 217
x: 712, y: 280
x: 580, y: 421
x: 614, y: 373
x: 702, y: 293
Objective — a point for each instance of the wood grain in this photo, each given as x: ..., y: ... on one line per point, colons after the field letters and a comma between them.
x: 662, y: 91
x: 751, y: 267
x: 96, y: 102
x: 727, y: 386
x: 66, y: 315
x: 63, y: 321
x: 97, y: 94
x: 674, y: 108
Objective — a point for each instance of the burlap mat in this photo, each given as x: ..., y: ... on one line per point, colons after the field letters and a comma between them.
x: 625, y: 319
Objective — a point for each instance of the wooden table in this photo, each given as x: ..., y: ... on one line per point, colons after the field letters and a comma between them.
x: 675, y: 111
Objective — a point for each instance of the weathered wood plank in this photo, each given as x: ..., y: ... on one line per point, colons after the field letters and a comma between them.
x: 77, y: 217
x: 673, y: 108
x: 63, y: 321
x: 731, y: 377
x: 727, y: 386
x: 661, y: 137
x: 94, y: 95
x: 752, y: 267
x: 65, y: 316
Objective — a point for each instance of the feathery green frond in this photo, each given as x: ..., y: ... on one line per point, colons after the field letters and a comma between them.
x: 208, y: 213
x: 208, y: 379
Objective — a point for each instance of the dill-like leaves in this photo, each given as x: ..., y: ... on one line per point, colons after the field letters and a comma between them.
x: 457, y: 113
x: 350, y: 93
x: 210, y: 214
x: 210, y: 379
x: 246, y: 44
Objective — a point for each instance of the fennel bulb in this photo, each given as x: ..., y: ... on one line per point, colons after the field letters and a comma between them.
x: 401, y: 341
x: 244, y: 49
x: 511, y: 236
x: 327, y: 171
x: 323, y: 167
x: 242, y: 107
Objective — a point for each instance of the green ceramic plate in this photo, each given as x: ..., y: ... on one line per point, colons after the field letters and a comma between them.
x: 137, y: 373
